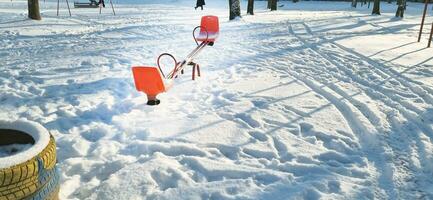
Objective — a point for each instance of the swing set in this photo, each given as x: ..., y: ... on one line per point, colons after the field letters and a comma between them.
x: 91, y: 4
x: 422, y: 25
x: 152, y: 81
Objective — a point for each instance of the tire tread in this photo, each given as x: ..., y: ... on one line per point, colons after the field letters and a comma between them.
x: 26, y: 180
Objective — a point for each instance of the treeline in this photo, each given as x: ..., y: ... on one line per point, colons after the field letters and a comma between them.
x: 419, y: 1
x: 272, y: 5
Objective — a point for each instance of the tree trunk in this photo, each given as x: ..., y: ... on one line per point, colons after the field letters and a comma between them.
x: 354, y: 3
x: 33, y: 7
x: 400, y: 8
x: 235, y: 9
x: 269, y: 4
x: 250, y: 7
x: 273, y: 5
x: 376, y: 7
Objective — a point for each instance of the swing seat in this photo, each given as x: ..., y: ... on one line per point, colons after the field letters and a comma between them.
x: 209, y: 29
x: 149, y: 80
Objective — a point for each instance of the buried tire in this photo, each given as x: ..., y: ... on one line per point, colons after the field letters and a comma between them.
x: 30, y: 173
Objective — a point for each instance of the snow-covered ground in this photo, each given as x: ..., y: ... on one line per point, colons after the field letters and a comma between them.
x: 316, y: 100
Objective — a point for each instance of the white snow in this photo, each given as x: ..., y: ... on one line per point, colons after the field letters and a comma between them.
x: 314, y: 101
x: 12, y: 149
x: 35, y: 130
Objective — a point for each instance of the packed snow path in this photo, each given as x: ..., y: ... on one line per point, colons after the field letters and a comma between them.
x: 304, y: 103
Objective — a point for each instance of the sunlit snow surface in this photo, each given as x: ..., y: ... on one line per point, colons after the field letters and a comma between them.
x: 316, y: 100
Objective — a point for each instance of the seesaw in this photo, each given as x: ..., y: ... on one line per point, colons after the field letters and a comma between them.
x: 152, y: 80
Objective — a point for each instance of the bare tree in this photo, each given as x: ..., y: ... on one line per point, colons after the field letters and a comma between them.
x: 354, y: 3
x: 235, y: 9
x: 400, y: 9
x: 250, y: 7
x: 376, y: 7
x: 273, y: 5
x: 33, y: 7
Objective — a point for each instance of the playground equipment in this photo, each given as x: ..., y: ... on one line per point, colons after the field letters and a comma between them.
x: 90, y: 4
x: 58, y: 6
x: 94, y: 4
x: 152, y: 80
x: 422, y: 24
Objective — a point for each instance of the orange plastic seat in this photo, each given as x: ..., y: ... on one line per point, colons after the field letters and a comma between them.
x: 149, y: 80
x: 209, y: 29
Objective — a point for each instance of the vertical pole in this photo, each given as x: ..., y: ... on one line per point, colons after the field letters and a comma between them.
x: 100, y: 8
x: 422, y: 21
x: 112, y: 7
x: 431, y: 34
x: 193, y: 71
x: 67, y: 3
x: 58, y: 2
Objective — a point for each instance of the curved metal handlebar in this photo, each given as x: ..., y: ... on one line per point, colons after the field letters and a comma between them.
x: 193, y: 33
x: 159, y: 58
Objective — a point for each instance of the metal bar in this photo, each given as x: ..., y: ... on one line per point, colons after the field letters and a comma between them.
x: 196, y: 49
x: 112, y: 7
x: 422, y: 21
x: 67, y: 3
x: 188, y: 59
x: 58, y: 2
x: 431, y: 34
x: 179, y: 67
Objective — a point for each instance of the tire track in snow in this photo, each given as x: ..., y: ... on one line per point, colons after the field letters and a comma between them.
x: 393, y: 101
x: 280, y: 147
x: 386, y: 72
x: 412, y: 114
x: 375, y: 154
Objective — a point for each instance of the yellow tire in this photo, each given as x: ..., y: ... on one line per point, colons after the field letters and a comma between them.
x: 31, y: 178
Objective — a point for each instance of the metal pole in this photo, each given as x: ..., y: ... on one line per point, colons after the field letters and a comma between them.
x: 58, y: 2
x: 431, y: 34
x: 100, y: 8
x: 67, y: 3
x: 112, y: 7
x: 422, y: 21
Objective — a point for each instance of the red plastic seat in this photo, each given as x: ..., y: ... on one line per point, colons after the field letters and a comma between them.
x: 149, y: 80
x: 209, y: 29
